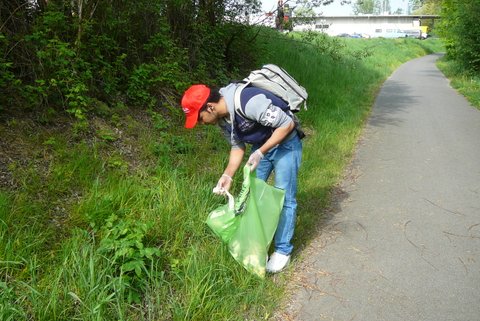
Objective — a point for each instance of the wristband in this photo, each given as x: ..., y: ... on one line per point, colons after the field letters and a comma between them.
x: 228, y: 176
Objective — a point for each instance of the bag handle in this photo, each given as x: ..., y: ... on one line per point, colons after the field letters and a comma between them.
x: 231, y: 200
x: 239, y: 206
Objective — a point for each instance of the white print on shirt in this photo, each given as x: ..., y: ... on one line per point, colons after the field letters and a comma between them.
x: 270, y: 116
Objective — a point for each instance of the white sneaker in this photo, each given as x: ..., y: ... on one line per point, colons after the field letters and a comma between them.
x: 277, y: 262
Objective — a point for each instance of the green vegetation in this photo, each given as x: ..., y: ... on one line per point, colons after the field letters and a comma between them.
x: 459, y: 28
x: 461, y: 64
x: 466, y: 82
x: 81, y: 56
x: 103, y: 217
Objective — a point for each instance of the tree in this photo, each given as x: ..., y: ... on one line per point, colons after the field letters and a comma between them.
x: 364, y: 7
x: 69, y: 55
x: 426, y: 7
x: 371, y: 7
x: 65, y: 55
x: 414, y: 5
x: 384, y: 6
x: 459, y: 27
x: 304, y: 13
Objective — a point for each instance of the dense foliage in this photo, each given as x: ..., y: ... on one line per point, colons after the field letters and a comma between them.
x: 459, y: 27
x: 371, y: 7
x: 76, y: 55
x: 425, y: 7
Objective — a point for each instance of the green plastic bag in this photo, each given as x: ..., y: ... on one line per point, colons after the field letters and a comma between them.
x: 247, y: 224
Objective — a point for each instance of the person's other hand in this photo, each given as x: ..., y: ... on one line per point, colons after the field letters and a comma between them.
x: 223, y: 185
x: 255, y: 159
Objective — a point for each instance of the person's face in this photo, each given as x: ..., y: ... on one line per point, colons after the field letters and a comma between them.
x: 208, y: 116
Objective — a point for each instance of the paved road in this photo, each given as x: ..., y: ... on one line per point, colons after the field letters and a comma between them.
x: 404, y: 243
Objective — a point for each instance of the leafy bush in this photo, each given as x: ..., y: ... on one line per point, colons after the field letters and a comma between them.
x: 459, y: 27
x: 149, y: 81
x: 123, y: 242
x: 8, y: 80
x: 66, y: 55
x: 334, y: 47
x: 61, y: 75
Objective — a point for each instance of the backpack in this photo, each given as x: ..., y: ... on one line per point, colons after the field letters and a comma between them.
x: 276, y: 80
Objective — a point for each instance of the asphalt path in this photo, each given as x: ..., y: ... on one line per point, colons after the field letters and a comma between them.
x: 402, y: 241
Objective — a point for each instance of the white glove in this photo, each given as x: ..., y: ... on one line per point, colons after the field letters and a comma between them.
x: 223, y: 185
x: 255, y: 159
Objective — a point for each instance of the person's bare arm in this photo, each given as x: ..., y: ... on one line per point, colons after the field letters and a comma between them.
x: 234, y: 161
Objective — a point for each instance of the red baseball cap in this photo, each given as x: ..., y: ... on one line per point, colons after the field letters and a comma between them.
x: 192, y: 101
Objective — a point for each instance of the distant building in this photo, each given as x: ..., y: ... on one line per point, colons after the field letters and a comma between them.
x: 373, y: 26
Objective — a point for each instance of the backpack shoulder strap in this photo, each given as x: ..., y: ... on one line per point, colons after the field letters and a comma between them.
x: 237, y: 102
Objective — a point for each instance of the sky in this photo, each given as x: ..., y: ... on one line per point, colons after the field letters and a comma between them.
x: 335, y: 8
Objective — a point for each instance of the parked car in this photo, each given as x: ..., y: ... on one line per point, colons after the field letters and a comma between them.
x: 353, y: 35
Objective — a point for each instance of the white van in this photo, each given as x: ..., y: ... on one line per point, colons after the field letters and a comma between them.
x: 389, y: 33
x: 413, y: 33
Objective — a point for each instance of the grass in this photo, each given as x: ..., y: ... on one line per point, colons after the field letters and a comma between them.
x: 107, y: 221
x: 467, y: 83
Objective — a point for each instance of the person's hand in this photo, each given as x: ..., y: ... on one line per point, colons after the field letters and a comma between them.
x: 223, y: 185
x: 255, y: 159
